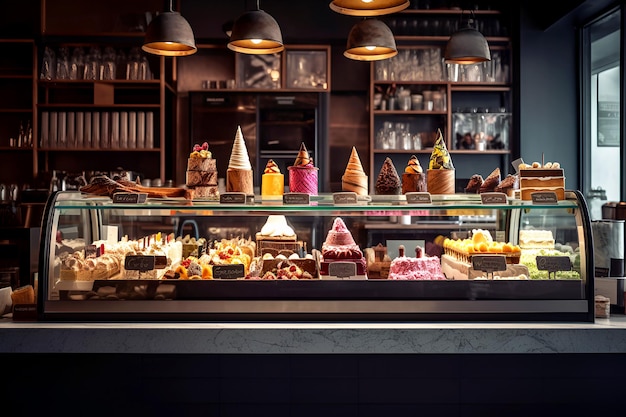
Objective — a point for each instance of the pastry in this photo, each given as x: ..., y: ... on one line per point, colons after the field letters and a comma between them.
x: 441, y: 174
x: 354, y: 178
x: 474, y: 184
x: 201, y: 174
x: 491, y: 182
x: 388, y: 181
x: 302, y: 174
x: 508, y: 185
x: 272, y: 182
x: 239, y: 172
x: 413, y: 178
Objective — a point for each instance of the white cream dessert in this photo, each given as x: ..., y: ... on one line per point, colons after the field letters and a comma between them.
x: 239, y: 173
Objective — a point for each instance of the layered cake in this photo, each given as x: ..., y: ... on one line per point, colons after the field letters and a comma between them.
x: 388, y: 181
x: 536, y: 239
x: 302, y: 174
x: 474, y: 184
x: 354, y: 178
x: 239, y: 172
x: 541, y: 178
x: 441, y: 174
x: 413, y: 178
x: 491, y: 182
x: 340, y: 246
x: 201, y: 174
x: 272, y: 182
x: 277, y: 237
x: 421, y: 267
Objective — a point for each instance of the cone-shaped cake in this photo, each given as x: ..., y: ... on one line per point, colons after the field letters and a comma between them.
x: 239, y: 173
x: 413, y: 178
x: 491, y: 182
x: 354, y: 178
x: 303, y: 175
x: 272, y: 182
x: 388, y: 181
x: 340, y: 246
x: 440, y: 174
x: 473, y: 185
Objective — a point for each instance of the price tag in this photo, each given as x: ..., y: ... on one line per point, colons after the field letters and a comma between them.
x: 544, y: 197
x: 233, y: 271
x: 297, y: 198
x: 233, y: 198
x: 130, y: 198
x: 139, y: 262
x: 346, y: 197
x: 342, y: 269
x: 489, y: 263
x: 493, y: 198
x: 553, y: 264
x: 418, y: 197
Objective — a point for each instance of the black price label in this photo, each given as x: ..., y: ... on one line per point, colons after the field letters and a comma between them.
x: 139, y: 262
x: 489, y: 263
x: 346, y: 197
x: 130, y: 198
x: 233, y: 198
x: 493, y: 198
x: 160, y: 262
x: 544, y: 197
x: 342, y: 269
x: 296, y: 198
x: 418, y: 197
x: 228, y: 271
x: 553, y: 263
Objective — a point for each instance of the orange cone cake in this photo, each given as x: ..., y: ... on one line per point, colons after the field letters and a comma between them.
x: 388, y: 181
x: 354, y: 178
x: 413, y: 178
x: 303, y: 175
x: 440, y: 177
x: 272, y: 182
x: 239, y: 173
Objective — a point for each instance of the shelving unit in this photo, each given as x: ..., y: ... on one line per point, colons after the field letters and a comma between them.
x: 418, y: 70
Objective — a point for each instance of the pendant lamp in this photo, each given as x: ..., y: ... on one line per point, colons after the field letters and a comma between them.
x: 256, y: 32
x: 467, y: 46
x: 368, y: 7
x: 370, y: 40
x: 169, y: 34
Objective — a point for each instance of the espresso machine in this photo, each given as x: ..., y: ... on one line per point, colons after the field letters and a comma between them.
x: 609, y: 254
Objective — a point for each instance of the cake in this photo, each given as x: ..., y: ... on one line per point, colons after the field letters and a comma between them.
x: 491, y: 182
x: 377, y: 261
x: 340, y: 246
x: 388, y: 181
x: 474, y: 184
x: 354, y: 178
x: 508, y: 185
x: 276, y: 237
x: 541, y: 178
x: 536, y: 239
x: 201, y: 174
x: 239, y: 172
x: 456, y: 269
x: 302, y: 174
x: 421, y: 267
x: 413, y: 178
x: 481, y: 243
x: 440, y: 177
x: 272, y: 182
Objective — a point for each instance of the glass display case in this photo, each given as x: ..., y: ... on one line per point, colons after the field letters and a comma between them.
x: 443, y: 258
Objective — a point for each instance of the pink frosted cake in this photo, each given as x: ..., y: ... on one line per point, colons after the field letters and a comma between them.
x: 302, y: 174
x: 421, y: 267
x: 340, y: 246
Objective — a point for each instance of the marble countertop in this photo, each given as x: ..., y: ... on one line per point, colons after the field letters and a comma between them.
x: 603, y: 336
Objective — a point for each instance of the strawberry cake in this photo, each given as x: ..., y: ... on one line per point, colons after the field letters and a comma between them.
x: 422, y: 267
x: 339, y: 246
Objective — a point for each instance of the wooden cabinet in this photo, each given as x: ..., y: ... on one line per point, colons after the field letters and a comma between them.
x: 415, y: 94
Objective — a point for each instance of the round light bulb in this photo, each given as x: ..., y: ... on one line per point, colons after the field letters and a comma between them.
x: 370, y: 48
x: 256, y: 41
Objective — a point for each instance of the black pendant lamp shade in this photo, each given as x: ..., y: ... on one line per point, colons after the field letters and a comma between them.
x: 169, y: 34
x: 370, y: 40
x: 467, y: 46
x: 368, y: 7
x: 256, y: 32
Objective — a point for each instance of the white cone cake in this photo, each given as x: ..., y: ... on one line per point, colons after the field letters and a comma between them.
x: 302, y: 174
x: 413, y: 178
x: 354, y: 178
x: 441, y: 173
x: 239, y: 173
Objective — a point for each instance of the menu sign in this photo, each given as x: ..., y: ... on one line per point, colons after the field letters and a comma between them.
x: 544, y: 197
x: 493, y: 198
x: 342, y: 269
x: 489, y: 263
x: 233, y: 198
x: 130, y: 198
x: 233, y: 271
x: 553, y: 264
x: 346, y: 197
x: 139, y: 262
x: 296, y: 198
x: 418, y: 198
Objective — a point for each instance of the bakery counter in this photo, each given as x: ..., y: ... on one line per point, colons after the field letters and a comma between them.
x: 603, y: 336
